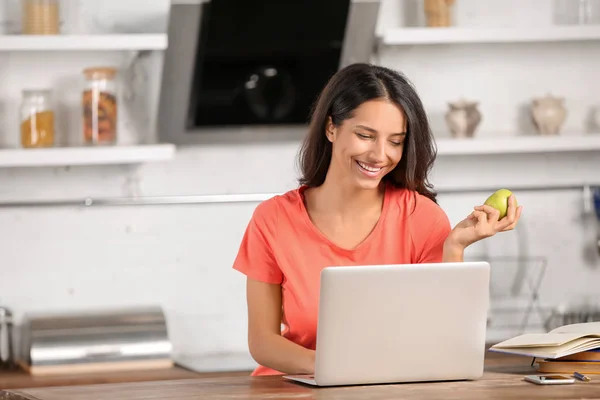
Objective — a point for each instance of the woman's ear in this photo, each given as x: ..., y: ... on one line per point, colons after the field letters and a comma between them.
x: 330, y: 130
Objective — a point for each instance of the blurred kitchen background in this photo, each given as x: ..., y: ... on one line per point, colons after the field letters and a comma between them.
x: 212, y: 101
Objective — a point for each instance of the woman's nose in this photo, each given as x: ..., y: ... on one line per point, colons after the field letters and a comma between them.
x: 378, y: 150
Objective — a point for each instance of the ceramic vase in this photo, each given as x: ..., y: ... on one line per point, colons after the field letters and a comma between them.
x: 549, y: 114
x: 463, y: 118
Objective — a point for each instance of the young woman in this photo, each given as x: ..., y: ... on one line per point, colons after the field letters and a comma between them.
x: 364, y: 198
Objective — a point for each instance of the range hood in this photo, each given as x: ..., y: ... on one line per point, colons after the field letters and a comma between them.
x: 232, y: 65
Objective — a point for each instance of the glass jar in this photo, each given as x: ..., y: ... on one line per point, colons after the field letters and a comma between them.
x: 438, y: 13
x: 40, y: 17
x: 37, y: 119
x: 100, y: 106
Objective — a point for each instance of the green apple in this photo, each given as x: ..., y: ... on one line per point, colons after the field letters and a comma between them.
x: 499, y: 200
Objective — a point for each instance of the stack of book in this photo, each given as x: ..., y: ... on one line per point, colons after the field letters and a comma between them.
x: 564, y: 350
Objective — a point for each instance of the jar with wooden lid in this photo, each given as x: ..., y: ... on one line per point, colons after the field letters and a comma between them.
x: 100, y: 106
x: 37, y: 119
x: 40, y: 17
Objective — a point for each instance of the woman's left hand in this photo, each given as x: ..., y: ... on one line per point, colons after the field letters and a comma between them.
x: 484, y: 222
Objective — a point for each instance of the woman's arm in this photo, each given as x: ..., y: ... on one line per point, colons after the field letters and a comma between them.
x: 453, y: 252
x: 267, y: 346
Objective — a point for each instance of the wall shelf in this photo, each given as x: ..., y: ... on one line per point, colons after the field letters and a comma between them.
x: 457, y: 35
x: 70, y: 156
x: 111, y: 42
x: 518, y: 145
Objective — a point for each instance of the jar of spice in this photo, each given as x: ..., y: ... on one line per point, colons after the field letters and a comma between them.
x: 40, y: 17
x: 37, y: 119
x: 100, y: 106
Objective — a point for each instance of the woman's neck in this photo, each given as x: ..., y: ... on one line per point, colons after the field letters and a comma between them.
x: 343, y: 199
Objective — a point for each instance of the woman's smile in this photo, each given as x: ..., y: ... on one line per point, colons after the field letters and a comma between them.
x: 369, y: 170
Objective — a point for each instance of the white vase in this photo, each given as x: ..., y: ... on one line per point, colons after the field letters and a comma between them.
x: 549, y: 114
x: 463, y: 118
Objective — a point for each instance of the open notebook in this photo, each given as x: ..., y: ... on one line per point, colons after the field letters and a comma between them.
x: 559, y: 342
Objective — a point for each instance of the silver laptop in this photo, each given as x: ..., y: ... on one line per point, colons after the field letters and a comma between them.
x: 401, y: 323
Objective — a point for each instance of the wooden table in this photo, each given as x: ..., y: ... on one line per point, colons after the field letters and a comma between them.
x: 503, y: 379
x: 21, y: 379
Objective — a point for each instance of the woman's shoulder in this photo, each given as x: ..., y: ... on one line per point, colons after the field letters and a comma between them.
x: 268, y: 210
x: 416, y: 206
x: 426, y: 222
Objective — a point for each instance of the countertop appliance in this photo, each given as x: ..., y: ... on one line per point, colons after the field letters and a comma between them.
x: 94, y: 341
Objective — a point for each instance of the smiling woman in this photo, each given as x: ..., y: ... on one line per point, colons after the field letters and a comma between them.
x: 363, y: 199
x: 381, y: 107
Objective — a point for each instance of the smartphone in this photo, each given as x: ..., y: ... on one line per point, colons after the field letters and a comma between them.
x: 550, y: 379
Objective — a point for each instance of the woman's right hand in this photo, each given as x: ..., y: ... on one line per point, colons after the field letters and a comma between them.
x: 267, y: 346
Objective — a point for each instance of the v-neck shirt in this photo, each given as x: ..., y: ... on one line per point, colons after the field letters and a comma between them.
x: 281, y: 245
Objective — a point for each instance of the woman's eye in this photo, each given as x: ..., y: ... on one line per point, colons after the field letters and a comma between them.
x: 360, y: 135
x: 397, y: 143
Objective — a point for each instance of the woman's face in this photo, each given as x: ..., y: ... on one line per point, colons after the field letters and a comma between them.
x: 369, y: 145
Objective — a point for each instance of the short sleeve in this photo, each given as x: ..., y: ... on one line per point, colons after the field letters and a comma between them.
x: 255, y: 256
x: 433, y: 246
x: 430, y: 227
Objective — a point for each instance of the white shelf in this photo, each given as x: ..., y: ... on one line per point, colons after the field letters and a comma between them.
x: 518, y: 145
x: 68, y: 156
x: 455, y: 35
x: 83, y: 42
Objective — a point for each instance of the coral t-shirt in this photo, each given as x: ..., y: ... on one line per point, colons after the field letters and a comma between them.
x: 282, y: 246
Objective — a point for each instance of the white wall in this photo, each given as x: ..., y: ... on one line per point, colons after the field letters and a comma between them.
x: 180, y: 256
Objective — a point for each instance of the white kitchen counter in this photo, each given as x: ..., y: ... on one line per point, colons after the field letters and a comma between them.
x: 219, y: 362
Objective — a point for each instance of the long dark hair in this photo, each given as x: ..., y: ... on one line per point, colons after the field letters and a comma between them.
x: 348, y: 89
